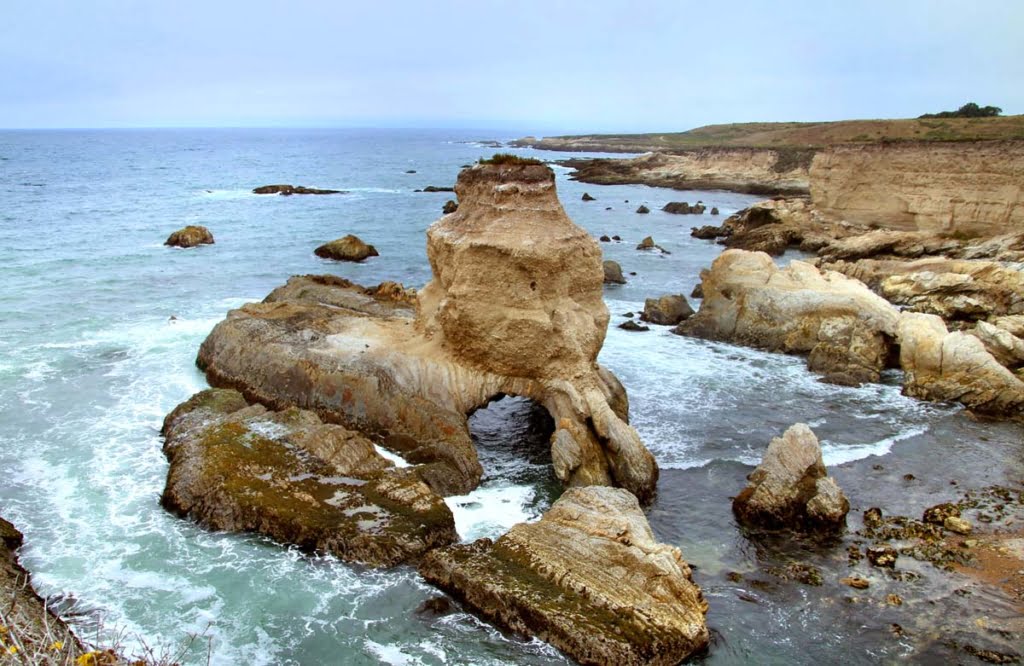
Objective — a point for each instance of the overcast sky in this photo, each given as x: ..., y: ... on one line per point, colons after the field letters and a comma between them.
x: 534, y: 66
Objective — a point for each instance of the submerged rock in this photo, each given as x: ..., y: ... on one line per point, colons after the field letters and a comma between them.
x: 588, y: 578
x: 666, y: 310
x: 190, y: 236
x: 613, y: 272
x: 790, y: 488
x: 631, y: 325
x: 587, y: 197
x: 288, y: 190
x: 845, y: 328
x: 648, y: 244
x: 514, y: 308
x: 285, y: 474
x: 349, y: 248
x: 643, y: 210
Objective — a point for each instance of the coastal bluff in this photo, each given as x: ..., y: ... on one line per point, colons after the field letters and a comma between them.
x: 514, y: 308
x: 971, y: 188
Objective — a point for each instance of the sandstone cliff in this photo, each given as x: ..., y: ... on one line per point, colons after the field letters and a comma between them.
x: 751, y: 170
x: 515, y: 307
x: 969, y: 188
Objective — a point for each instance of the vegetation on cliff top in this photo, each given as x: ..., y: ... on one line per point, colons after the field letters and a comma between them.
x: 508, y: 159
x: 802, y: 135
x: 969, y: 110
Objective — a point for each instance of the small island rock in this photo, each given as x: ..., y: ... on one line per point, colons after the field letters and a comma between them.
x: 349, y: 248
x: 190, y: 236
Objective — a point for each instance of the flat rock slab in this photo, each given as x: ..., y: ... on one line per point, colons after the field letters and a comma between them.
x: 242, y: 468
x: 589, y: 578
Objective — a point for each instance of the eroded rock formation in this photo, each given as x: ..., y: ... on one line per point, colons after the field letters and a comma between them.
x: 845, y: 328
x: 287, y: 475
x: 966, y: 187
x: 349, y: 248
x: 790, y: 488
x: 589, y: 578
x: 515, y: 307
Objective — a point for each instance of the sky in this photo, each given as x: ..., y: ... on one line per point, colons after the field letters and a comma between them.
x: 536, y: 66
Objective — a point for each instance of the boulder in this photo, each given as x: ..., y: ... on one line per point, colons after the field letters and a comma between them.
x: 773, y: 239
x: 588, y: 578
x: 939, y: 365
x: 613, y: 272
x: 790, y: 488
x: 190, y: 236
x: 643, y: 210
x: 648, y: 244
x: 666, y: 310
x: 449, y: 207
x: 515, y: 307
x: 714, y: 211
x: 630, y: 325
x: 616, y: 238
x: 698, y: 291
x: 587, y: 197
x: 287, y: 475
x: 605, y: 239
x: 707, y: 232
x: 683, y: 208
x: 846, y: 329
x: 349, y: 248
x: 288, y: 190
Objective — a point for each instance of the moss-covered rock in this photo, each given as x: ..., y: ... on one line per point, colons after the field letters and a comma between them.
x: 285, y: 474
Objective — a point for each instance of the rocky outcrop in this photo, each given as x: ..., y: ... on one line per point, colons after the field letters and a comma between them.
x: 648, y: 244
x: 750, y: 170
x: 643, y: 210
x: 514, y: 308
x: 190, y: 236
x: 845, y: 328
x: 285, y: 474
x: 790, y: 488
x: 449, y: 207
x: 956, y: 366
x: 954, y: 289
x: 613, y: 272
x: 971, y: 188
x: 288, y: 190
x: 349, y: 248
x: 587, y: 197
x: 773, y: 226
x: 435, y: 188
x: 32, y: 633
x: 668, y: 310
x: 588, y: 578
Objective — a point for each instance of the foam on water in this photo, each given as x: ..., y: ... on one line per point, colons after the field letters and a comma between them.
x: 489, y: 511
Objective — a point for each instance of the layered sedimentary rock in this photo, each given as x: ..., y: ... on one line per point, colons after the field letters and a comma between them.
x: 845, y: 328
x: 589, y: 578
x: 515, y: 307
x: 941, y: 365
x: 790, y: 488
x: 970, y: 188
x: 751, y: 170
x: 287, y: 475
x: 954, y: 289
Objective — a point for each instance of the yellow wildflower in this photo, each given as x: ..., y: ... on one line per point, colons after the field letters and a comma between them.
x: 57, y: 646
x: 87, y: 659
x: 12, y: 650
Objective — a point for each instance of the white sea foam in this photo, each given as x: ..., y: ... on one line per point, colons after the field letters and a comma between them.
x: 393, y: 457
x: 490, y: 511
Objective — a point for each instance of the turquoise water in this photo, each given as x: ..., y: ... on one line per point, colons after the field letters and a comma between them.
x: 91, y: 360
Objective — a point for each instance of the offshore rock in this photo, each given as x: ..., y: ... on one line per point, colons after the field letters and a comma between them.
x: 588, y: 578
x: 613, y: 272
x: 845, y: 328
x: 940, y: 365
x: 287, y: 475
x: 449, y: 207
x: 514, y: 308
x: 790, y: 488
x: 666, y: 310
x: 288, y: 190
x: 349, y: 248
x: 190, y: 236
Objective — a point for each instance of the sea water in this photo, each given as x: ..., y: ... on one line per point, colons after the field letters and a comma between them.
x: 100, y: 324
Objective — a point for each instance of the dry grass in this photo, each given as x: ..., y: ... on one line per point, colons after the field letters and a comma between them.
x: 777, y: 135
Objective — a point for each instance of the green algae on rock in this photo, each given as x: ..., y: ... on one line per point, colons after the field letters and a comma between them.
x: 287, y: 475
x: 589, y: 578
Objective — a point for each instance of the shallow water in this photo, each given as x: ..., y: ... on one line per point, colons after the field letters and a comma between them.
x: 90, y: 361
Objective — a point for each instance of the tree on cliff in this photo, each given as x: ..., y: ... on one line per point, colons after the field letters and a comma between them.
x: 969, y: 110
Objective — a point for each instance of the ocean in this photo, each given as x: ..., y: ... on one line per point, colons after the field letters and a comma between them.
x: 98, y: 336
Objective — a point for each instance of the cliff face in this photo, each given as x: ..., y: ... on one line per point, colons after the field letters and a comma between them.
x: 750, y: 170
x: 974, y: 188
